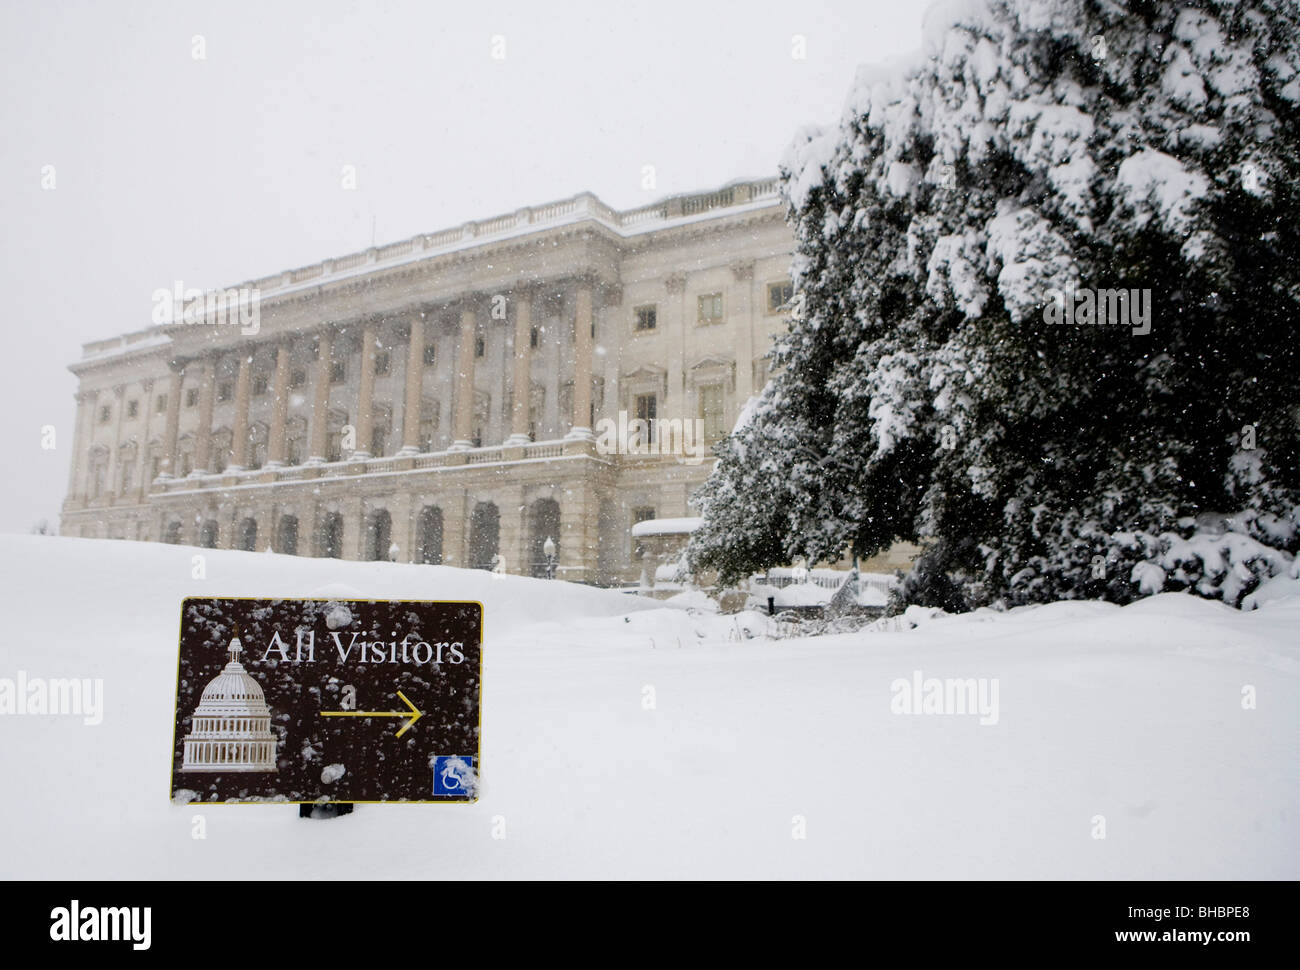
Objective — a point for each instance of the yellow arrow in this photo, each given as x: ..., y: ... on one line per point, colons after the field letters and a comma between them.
x: 414, y: 714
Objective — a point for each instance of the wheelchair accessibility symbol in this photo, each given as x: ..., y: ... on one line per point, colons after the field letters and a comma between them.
x: 453, y: 775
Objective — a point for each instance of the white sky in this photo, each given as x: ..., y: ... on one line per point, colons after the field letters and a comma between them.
x: 217, y: 171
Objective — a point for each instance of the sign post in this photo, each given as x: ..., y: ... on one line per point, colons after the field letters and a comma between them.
x: 316, y: 701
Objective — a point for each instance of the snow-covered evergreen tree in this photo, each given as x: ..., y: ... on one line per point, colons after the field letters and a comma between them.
x: 949, y: 375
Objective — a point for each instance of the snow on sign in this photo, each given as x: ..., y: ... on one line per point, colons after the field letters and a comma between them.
x: 310, y: 700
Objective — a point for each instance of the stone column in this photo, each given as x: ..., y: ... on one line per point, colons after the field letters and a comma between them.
x: 321, y: 398
x: 414, y: 378
x: 578, y: 540
x: 366, y: 393
x: 523, y: 370
x: 171, y: 429
x: 354, y: 528
x: 80, y: 451
x: 582, y: 349
x: 463, y: 422
x: 279, y: 406
x: 680, y: 318
x: 742, y: 311
x: 239, y: 432
x: 142, y: 452
x: 114, y: 454
x: 207, y: 395
x: 455, y: 528
x: 513, y: 535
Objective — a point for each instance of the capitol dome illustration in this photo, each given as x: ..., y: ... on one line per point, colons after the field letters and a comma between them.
x: 231, y: 729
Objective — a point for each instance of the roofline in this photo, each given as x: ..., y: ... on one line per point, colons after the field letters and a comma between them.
x: 735, y: 197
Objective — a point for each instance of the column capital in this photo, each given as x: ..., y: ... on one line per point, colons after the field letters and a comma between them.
x: 675, y: 282
x: 528, y: 289
x: 743, y: 270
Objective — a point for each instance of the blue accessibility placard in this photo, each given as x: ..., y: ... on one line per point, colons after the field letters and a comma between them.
x: 454, y: 776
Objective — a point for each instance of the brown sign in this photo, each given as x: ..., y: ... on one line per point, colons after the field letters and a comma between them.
x: 310, y: 700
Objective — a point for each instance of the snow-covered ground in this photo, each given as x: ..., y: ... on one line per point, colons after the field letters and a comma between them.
x: 1133, y: 714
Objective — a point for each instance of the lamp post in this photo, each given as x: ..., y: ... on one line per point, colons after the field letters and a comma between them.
x: 548, y: 550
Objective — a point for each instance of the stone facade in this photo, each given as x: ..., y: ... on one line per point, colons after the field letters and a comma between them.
x: 446, y: 394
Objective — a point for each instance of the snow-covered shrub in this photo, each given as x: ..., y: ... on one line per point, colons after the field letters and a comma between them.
x: 924, y: 391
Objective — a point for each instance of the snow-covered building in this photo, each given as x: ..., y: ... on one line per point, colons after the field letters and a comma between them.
x: 464, y: 394
x: 556, y: 372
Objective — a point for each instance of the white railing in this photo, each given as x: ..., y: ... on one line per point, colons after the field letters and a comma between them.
x: 362, y: 466
x: 547, y: 449
x: 480, y: 456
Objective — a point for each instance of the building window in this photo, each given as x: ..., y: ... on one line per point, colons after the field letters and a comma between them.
x: 104, y: 414
x: 132, y: 408
x: 297, y: 378
x: 128, y: 475
x: 711, y: 412
x: 710, y: 305
x: 480, y: 346
x: 224, y: 391
x: 191, y: 397
x: 334, y: 447
x: 257, y: 448
x: 160, y: 406
x: 294, y: 453
x: 378, y: 441
x: 259, y: 385
x: 779, y: 296
x: 338, y: 372
x: 534, y: 417
x: 534, y: 338
x: 647, y: 410
x: 645, y: 318
x: 430, y: 354
x: 382, y: 362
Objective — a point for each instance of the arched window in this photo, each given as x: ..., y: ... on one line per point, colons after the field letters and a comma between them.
x: 286, y: 535
x: 429, y: 549
x: 379, y: 530
x: 220, y: 449
x: 258, y: 436
x: 330, y: 541
x: 543, y: 524
x: 484, y: 536
x: 208, y: 534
